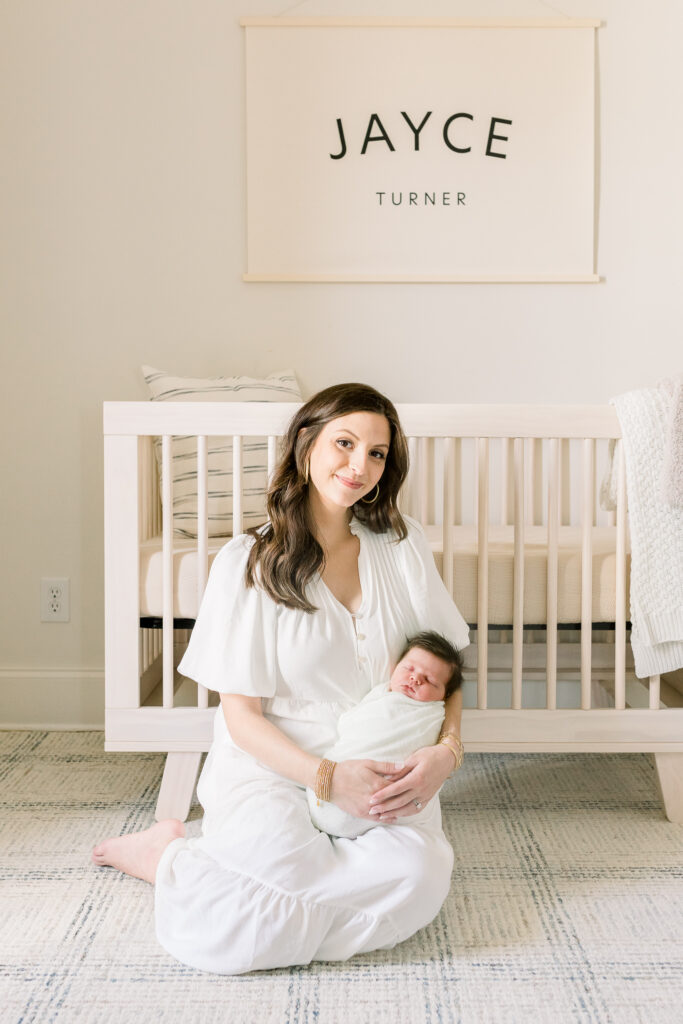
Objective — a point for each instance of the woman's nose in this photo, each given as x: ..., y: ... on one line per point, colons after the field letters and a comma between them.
x: 359, y: 464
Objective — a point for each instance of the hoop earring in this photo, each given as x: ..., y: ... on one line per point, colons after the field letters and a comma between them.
x: 371, y: 501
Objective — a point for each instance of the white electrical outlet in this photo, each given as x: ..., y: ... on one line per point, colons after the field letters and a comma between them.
x: 54, y: 600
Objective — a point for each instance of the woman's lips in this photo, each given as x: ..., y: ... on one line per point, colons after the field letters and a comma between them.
x: 353, y: 484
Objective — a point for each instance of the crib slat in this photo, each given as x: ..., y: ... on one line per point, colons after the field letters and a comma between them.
x: 565, y: 483
x: 122, y: 572
x: 654, y: 688
x: 534, y: 503
x: 167, y: 571
x: 202, y: 538
x: 587, y: 513
x: 552, y: 571
x: 237, y: 485
x: 147, y: 474
x: 448, y: 516
x: 506, y: 458
x: 423, y: 481
x: 157, y: 505
x: 506, y: 461
x: 482, y: 570
x: 411, y: 489
x: 457, y: 474
x: 620, y: 614
x: 518, y: 578
x: 272, y: 456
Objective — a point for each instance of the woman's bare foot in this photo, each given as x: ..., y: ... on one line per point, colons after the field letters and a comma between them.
x: 139, y: 853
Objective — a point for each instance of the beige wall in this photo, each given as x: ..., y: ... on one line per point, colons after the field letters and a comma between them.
x: 122, y: 241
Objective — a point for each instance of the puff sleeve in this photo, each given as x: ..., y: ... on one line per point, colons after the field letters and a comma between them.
x: 233, y: 647
x: 433, y: 605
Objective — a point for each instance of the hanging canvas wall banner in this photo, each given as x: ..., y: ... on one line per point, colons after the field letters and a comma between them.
x: 420, y: 150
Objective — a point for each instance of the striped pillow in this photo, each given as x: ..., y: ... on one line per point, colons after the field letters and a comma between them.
x: 278, y: 387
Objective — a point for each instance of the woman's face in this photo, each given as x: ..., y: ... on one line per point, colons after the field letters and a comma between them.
x: 348, y: 458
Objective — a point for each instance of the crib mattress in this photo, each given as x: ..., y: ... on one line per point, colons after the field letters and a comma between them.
x: 501, y: 564
x: 501, y: 572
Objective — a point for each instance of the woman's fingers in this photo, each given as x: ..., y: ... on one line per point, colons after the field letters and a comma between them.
x: 404, y: 804
x: 354, y: 782
x: 396, y: 788
x: 389, y: 815
x: 388, y: 769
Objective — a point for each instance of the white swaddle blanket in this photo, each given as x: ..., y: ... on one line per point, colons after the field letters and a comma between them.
x: 385, y: 726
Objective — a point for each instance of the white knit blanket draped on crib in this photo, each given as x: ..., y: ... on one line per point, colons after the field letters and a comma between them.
x: 656, y: 534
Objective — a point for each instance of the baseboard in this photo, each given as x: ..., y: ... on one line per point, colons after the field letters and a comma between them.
x: 65, y: 698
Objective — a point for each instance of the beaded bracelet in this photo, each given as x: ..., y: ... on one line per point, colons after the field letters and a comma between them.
x: 323, y: 780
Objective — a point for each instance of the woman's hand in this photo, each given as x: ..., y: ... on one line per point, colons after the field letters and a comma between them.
x: 355, y: 782
x: 424, y: 773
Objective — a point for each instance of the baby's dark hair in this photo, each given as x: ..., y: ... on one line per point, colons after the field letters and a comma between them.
x: 442, y: 648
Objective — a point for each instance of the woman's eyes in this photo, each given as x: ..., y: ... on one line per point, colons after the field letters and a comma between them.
x: 344, y: 442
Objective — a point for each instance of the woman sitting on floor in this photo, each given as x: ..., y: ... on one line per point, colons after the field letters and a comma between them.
x: 300, y: 618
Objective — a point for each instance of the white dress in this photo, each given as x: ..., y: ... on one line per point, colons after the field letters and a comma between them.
x: 262, y: 887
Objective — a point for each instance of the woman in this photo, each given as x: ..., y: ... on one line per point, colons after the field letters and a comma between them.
x: 298, y: 621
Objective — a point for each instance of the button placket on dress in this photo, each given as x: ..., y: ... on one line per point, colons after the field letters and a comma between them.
x: 361, y: 657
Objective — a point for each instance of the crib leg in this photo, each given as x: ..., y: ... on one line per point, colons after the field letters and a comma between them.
x: 177, y: 785
x: 670, y: 777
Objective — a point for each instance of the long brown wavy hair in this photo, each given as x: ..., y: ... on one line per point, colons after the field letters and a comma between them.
x: 285, y: 555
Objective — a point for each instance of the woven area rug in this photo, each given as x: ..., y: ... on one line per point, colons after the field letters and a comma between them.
x: 566, y: 904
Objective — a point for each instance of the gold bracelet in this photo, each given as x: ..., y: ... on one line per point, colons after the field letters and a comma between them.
x: 450, y: 734
x: 323, y: 780
x: 457, y: 752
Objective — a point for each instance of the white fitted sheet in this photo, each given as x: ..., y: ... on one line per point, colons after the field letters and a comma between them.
x: 501, y: 563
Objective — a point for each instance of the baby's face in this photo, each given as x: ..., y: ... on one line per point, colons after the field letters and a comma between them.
x: 421, y: 675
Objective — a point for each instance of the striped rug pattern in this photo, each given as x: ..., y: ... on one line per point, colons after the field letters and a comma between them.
x: 566, y: 904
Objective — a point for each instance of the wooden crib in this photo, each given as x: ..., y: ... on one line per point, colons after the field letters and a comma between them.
x: 508, y: 496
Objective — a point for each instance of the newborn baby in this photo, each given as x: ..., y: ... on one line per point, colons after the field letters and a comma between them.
x: 392, y: 721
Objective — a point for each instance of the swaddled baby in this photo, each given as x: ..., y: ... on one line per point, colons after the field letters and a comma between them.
x: 392, y: 721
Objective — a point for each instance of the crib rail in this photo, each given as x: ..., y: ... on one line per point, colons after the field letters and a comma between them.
x: 525, y: 468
